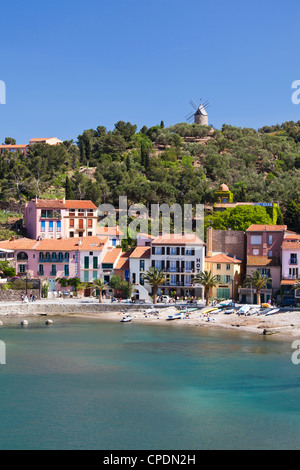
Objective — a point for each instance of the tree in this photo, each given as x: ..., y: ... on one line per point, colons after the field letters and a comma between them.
x: 155, y: 278
x: 258, y: 282
x: 10, y: 141
x: 292, y: 216
x: 100, y: 285
x: 207, y: 280
x: 6, y: 269
x: 68, y: 189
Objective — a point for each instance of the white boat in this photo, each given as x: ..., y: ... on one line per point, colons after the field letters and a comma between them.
x: 126, y: 319
x: 243, y: 310
x: 229, y: 311
x: 273, y: 311
x: 253, y: 311
x: 176, y: 316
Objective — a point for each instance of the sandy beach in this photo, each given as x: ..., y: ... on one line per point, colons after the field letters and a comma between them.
x: 282, y: 325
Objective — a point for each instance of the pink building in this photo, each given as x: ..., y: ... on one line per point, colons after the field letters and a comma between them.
x: 264, y: 254
x: 56, y: 218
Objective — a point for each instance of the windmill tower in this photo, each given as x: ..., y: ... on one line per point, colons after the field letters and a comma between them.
x: 200, y: 115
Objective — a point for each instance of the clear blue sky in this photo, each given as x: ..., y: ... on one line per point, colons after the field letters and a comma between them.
x: 74, y: 65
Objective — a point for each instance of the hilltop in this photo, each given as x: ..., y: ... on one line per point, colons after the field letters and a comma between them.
x: 183, y: 163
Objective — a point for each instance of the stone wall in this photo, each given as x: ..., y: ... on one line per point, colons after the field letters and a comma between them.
x: 11, y: 295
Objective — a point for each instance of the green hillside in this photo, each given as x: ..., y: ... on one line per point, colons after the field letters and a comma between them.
x: 184, y: 163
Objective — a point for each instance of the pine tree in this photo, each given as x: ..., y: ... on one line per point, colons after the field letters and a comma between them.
x: 68, y: 189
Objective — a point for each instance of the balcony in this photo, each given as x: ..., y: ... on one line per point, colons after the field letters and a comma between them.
x: 293, y: 261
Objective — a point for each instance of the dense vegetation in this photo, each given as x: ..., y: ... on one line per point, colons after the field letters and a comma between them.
x: 184, y: 163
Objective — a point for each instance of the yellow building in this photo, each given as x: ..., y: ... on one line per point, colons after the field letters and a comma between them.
x: 228, y: 273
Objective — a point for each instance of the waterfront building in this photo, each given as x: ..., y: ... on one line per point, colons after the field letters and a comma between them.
x: 290, y: 267
x: 227, y: 271
x: 57, y: 218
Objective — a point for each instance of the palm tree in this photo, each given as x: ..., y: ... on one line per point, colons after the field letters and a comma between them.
x: 155, y: 278
x: 207, y: 280
x: 100, y: 285
x: 258, y: 282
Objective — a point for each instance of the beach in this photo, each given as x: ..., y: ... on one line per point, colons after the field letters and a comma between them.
x: 282, y: 325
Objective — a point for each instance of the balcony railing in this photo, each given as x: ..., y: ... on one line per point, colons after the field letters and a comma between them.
x: 293, y: 261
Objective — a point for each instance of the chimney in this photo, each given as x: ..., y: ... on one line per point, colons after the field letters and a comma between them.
x: 209, y: 241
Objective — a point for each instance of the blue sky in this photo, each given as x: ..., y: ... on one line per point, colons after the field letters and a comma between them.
x: 74, y: 65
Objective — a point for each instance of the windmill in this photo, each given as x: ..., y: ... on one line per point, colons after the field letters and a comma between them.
x: 200, y: 115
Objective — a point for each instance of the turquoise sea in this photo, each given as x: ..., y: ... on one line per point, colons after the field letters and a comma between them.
x: 90, y: 384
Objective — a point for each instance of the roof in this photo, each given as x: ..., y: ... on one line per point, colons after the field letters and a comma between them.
x: 223, y: 187
x: 268, y: 228
x: 77, y: 204
x: 145, y: 235
x: 222, y: 258
x: 55, y: 244
x: 112, y: 256
x: 14, y: 146
x: 141, y: 252
x: 61, y: 204
x: 178, y: 239
x: 288, y: 282
x: 291, y: 244
x: 18, y: 244
x: 109, y: 230
x: 261, y: 261
x: 123, y: 262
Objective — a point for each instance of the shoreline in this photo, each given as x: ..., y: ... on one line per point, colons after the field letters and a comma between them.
x: 283, y: 325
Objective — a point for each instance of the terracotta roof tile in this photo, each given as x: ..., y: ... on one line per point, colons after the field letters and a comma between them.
x: 141, y: 252
x: 222, y: 258
x: 109, y: 231
x: 18, y: 244
x: 73, y: 204
x: 291, y: 245
x: 112, y: 256
x: 123, y: 262
x: 268, y: 228
x: 177, y: 239
x: 60, y: 204
x: 261, y: 261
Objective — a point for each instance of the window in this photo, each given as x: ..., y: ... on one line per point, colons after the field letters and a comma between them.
x: 293, y: 259
x: 133, y: 278
x: 142, y: 265
x: 255, y: 239
x: 66, y: 270
x: 255, y: 251
x: 53, y: 270
x: 270, y: 254
x: 41, y: 270
x: 94, y: 275
x: 53, y: 256
x: 71, y: 234
x: 158, y: 265
x: 58, y: 226
x: 270, y: 239
x: 80, y: 223
x: 228, y: 267
x: 50, y: 225
x: 66, y: 257
x: 86, y: 276
x: 173, y: 267
x: 173, y: 250
x: 41, y: 257
x: 228, y: 278
x: 114, y: 242
x: 218, y: 266
x: 95, y: 262
x: 22, y: 268
x: 22, y: 256
x: 60, y: 256
x: 43, y: 226
x: 188, y: 266
x: 90, y: 223
x: 158, y: 250
x: 86, y: 262
x: 173, y: 280
x: 90, y: 234
x: 293, y: 273
x: 47, y: 256
x: 71, y: 223
x: 218, y: 278
x: 142, y: 281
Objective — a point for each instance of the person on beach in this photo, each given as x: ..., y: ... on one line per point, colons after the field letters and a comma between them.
x: 22, y: 297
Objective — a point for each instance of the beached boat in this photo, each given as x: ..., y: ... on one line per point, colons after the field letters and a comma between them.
x: 228, y: 311
x: 253, y: 311
x: 264, y: 311
x: 176, y: 316
x: 243, y: 310
x: 273, y: 311
x: 126, y: 319
x: 211, y: 310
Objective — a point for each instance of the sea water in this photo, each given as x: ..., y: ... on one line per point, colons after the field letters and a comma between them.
x: 90, y: 384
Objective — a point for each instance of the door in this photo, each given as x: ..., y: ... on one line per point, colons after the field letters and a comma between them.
x: 51, y: 284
